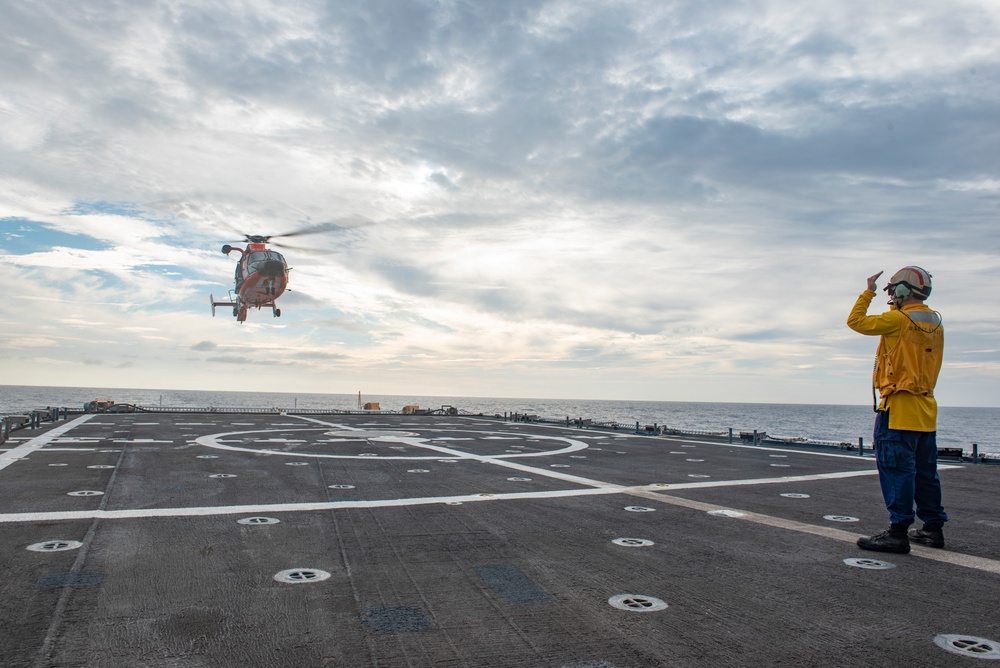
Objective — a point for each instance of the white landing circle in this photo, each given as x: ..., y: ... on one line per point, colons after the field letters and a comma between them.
x: 256, y: 441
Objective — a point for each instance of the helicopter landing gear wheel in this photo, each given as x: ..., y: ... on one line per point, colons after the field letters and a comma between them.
x: 277, y: 313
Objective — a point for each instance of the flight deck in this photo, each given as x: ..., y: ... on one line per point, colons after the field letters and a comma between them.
x: 204, y: 539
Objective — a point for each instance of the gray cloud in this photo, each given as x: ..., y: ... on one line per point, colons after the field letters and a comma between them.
x: 651, y: 188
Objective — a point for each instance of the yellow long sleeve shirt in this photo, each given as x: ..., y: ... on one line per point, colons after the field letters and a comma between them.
x: 907, y: 411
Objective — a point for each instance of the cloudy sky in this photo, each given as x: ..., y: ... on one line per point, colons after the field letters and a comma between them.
x: 610, y: 200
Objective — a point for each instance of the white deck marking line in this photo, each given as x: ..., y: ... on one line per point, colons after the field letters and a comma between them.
x: 597, y: 488
x: 216, y: 441
x: 140, y: 513
x: 767, y: 481
x: 500, y: 460
x: 761, y: 448
x: 603, y: 488
x: 953, y: 558
x: 38, y: 442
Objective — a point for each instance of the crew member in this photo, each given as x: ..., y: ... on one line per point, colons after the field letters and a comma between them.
x: 907, y: 364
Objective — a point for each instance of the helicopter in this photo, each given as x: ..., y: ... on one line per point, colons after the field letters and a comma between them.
x: 261, y: 273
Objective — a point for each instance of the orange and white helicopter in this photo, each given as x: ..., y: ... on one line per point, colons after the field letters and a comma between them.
x: 261, y: 273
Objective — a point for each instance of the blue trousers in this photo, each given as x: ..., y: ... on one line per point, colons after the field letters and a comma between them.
x: 907, y: 473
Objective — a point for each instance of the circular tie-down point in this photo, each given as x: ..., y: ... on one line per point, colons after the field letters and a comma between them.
x: 640, y: 509
x: 698, y: 475
x: 101, y: 466
x: 341, y: 486
x: 301, y: 575
x: 296, y: 463
x: 417, y: 471
x: 726, y: 512
x: 783, y: 466
x: 637, y: 603
x: 58, y: 464
x: 258, y: 520
x: 971, y: 646
x: 208, y: 456
x: 516, y: 479
x: 841, y: 518
x: 85, y: 492
x: 222, y: 475
x: 633, y: 542
x: 795, y: 495
x: 56, y: 546
x: 696, y: 460
x: 870, y: 564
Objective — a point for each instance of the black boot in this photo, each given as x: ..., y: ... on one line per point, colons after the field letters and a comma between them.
x: 930, y: 535
x: 891, y: 540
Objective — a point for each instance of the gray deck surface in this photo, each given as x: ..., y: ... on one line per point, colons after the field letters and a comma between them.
x: 457, y: 541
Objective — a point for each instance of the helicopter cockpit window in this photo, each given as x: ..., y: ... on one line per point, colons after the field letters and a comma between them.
x: 258, y: 258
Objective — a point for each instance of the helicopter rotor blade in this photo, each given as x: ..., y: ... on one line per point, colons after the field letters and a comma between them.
x: 339, y: 225
x: 303, y: 249
x: 330, y: 226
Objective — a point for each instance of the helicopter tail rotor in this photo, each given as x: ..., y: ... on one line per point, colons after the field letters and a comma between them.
x: 211, y: 299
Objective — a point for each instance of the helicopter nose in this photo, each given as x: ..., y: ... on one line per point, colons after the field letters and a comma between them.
x: 271, y: 269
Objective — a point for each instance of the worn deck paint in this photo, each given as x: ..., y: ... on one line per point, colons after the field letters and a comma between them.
x: 424, y: 541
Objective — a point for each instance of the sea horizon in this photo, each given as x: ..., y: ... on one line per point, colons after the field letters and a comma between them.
x: 957, y: 426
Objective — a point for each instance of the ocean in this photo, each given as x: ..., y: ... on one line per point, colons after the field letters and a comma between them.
x: 957, y: 427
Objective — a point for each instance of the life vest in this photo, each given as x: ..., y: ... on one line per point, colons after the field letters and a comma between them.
x: 913, y: 364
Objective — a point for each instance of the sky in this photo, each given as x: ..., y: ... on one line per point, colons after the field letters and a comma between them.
x: 642, y: 200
